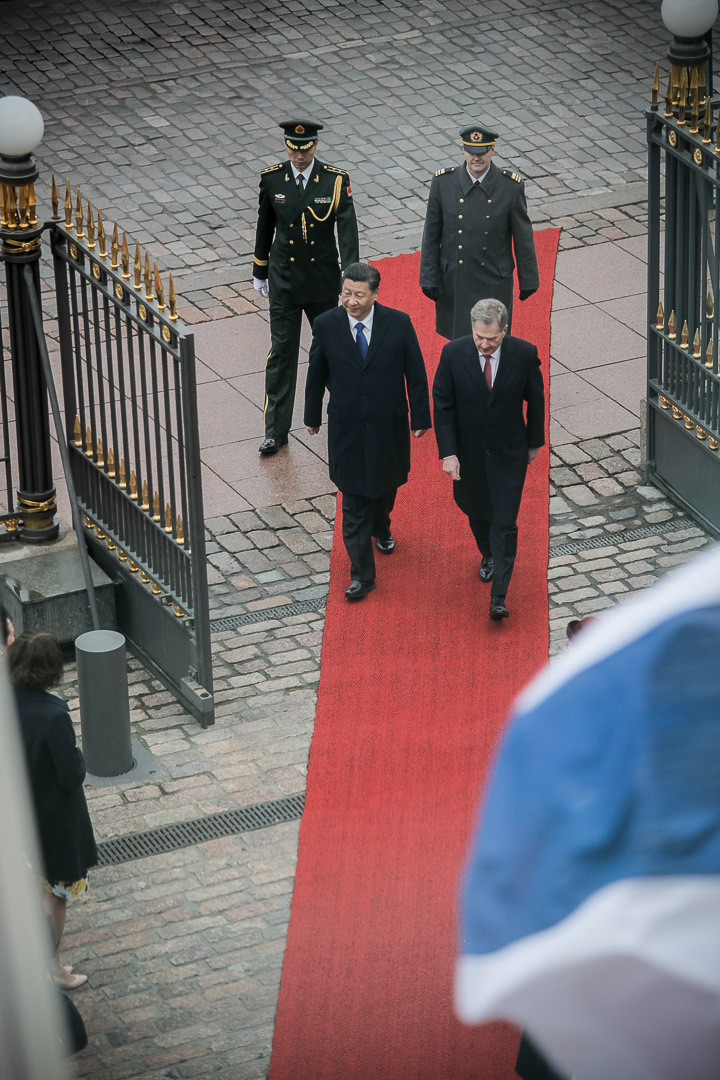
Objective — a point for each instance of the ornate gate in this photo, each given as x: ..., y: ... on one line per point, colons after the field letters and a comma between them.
x: 130, y: 400
x: 683, y: 378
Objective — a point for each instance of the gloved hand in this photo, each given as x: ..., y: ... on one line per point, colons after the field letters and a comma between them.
x: 525, y: 294
x: 432, y: 294
x: 261, y: 286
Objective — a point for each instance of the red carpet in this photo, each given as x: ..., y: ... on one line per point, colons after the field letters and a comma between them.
x: 415, y: 685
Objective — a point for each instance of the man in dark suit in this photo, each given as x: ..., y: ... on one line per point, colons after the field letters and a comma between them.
x: 366, y: 355
x: 481, y: 384
x: 476, y: 216
x: 302, y: 202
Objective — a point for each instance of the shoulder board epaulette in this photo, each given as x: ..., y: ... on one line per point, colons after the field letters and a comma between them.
x: 513, y: 175
x: 331, y: 168
x: 441, y: 172
x: 272, y: 168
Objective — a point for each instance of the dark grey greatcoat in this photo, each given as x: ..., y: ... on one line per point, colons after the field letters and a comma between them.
x: 368, y: 432
x: 486, y: 430
x: 56, y: 769
x: 467, y: 246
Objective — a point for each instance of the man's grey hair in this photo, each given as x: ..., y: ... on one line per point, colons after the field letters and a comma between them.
x: 490, y: 311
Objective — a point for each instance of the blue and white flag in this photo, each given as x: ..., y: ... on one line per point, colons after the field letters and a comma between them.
x: 591, y: 900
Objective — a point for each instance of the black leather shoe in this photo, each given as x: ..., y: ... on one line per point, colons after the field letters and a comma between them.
x: 497, y: 608
x: 485, y: 573
x: 386, y: 546
x: 359, y: 589
x: 271, y: 446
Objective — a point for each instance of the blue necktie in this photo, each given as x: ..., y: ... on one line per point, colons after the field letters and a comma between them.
x: 361, y: 340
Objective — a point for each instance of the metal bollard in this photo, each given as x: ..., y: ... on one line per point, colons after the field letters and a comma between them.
x: 104, y: 702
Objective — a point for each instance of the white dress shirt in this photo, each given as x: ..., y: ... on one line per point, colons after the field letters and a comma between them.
x: 367, y: 323
x: 494, y: 361
x: 305, y: 175
x: 477, y: 179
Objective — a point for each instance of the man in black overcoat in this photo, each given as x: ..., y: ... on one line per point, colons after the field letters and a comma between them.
x: 476, y: 216
x: 369, y: 358
x: 481, y: 385
x: 302, y: 203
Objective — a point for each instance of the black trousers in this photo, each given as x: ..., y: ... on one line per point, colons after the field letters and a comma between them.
x: 364, y: 518
x: 282, y: 362
x: 499, y: 542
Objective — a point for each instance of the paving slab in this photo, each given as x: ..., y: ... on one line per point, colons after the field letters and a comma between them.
x: 601, y: 273
x: 587, y: 337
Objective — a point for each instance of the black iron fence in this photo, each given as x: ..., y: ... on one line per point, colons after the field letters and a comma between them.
x: 130, y: 400
x: 683, y: 374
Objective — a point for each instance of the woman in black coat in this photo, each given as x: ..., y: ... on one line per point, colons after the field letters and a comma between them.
x: 56, y: 769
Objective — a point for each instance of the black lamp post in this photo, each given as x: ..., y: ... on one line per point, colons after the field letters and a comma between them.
x: 690, y: 22
x: 21, y: 130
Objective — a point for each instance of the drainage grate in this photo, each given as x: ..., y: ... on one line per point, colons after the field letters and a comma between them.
x: 186, y: 833
x: 571, y: 548
x: 300, y: 607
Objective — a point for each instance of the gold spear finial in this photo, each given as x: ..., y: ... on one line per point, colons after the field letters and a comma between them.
x: 684, y: 336
x: 675, y: 78
x: 694, y: 102
x: 133, y: 485
x: 79, y: 216
x: 709, y: 353
x: 4, y: 207
x: 656, y: 86
x: 90, y: 226
x: 12, y: 208
x: 77, y: 431
x: 23, y: 207
x: 171, y: 299
x: 32, y: 206
x: 149, y: 295
x: 100, y: 452
x: 159, y: 290
x: 122, y: 482
x: 696, y: 344
x: 137, y: 265
x: 125, y: 258
x: 67, y: 206
x: 701, y: 83
x: 88, y: 442
x: 111, y: 463
x: 114, y: 248
x: 101, y: 236
x: 156, y: 507
x: 717, y: 144
x: 707, y: 126
x: 671, y: 326
x: 660, y: 318
x: 168, y: 518
x: 145, y: 500
x: 54, y: 199
x: 669, y: 96
x: 683, y: 99
x: 179, y: 534
x: 709, y: 306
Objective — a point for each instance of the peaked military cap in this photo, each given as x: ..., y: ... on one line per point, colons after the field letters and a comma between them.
x: 300, y: 134
x: 477, y: 140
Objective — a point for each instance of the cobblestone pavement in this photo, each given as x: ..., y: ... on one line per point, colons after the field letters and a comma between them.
x: 163, y: 114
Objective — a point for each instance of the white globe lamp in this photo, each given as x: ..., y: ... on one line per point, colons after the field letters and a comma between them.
x: 21, y: 131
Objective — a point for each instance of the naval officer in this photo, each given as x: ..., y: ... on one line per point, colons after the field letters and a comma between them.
x: 476, y: 216
x: 302, y: 203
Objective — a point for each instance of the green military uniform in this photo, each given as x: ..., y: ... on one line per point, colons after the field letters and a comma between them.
x: 467, y: 248
x: 295, y: 250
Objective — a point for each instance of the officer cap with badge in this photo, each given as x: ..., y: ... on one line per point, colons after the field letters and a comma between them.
x: 300, y: 134
x: 477, y: 140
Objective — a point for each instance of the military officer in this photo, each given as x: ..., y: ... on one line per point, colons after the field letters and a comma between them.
x: 302, y: 201
x: 476, y: 215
